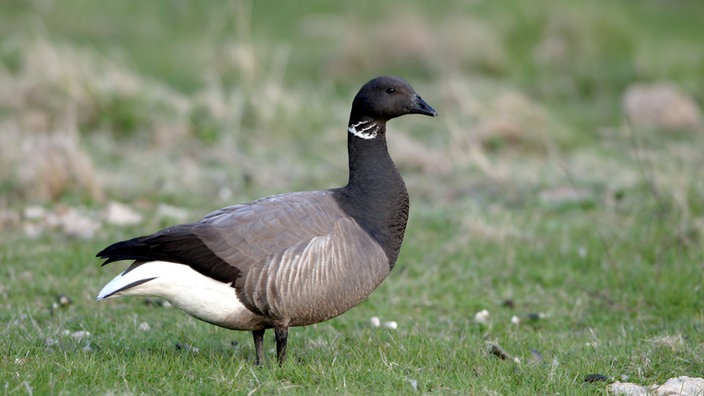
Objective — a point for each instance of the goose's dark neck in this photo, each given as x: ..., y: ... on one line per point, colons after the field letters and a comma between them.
x: 376, y: 195
x: 370, y: 163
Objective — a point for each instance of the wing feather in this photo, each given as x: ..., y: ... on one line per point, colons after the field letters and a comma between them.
x: 228, y: 242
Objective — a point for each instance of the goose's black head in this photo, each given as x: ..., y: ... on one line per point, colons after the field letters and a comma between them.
x: 382, y: 99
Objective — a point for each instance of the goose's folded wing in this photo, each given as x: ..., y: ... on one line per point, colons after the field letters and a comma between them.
x: 229, y: 241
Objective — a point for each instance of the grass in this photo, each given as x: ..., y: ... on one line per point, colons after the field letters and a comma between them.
x: 531, y: 196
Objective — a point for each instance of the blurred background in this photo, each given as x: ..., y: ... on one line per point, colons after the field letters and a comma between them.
x: 203, y: 103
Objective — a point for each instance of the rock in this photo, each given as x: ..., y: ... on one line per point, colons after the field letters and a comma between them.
x: 413, y: 383
x: 34, y: 212
x: 627, y: 388
x: 32, y: 231
x: 482, y: 317
x: 391, y: 325
x: 375, y: 321
x: 71, y: 221
x: 681, y: 386
x: 79, y: 225
x: 87, y: 347
x: 661, y: 105
x: 121, y: 215
x: 9, y: 219
x: 172, y: 212
x: 63, y: 300
x: 678, y: 386
x: 79, y: 335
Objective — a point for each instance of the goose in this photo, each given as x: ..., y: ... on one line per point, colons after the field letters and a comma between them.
x: 286, y: 260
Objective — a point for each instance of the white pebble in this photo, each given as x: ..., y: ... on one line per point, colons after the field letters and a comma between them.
x: 413, y: 383
x: 376, y: 322
x: 582, y: 252
x: 515, y: 320
x: 482, y: 316
x: 144, y: 326
x: 34, y: 212
x: 173, y: 212
x: 390, y: 325
x: 121, y: 215
x: 79, y: 335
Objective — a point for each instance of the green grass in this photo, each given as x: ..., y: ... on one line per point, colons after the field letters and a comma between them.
x: 204, y: 104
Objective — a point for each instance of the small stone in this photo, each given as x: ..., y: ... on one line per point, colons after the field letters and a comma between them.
x: 172, y: 212
x: 121, y: 215
x: 34, y: 213
x: 515, y: 320
x: 375, y: 321
x: 32, y: 231
x: 63, y: 300
x: 78, y: 225
x: 9, y: 219
x: 661, y: 105
x: 79, y: 335
x: 390, y: 325
x: 164, y: 304
x: 627, y: 388
x: 144, y: 326
x: 225, y: 193
x: 413, y: 383
x: 537, y: 356
x: 482, y: 316
x: 582, y: 252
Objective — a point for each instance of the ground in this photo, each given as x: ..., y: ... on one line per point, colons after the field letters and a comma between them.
x: 541, y: 194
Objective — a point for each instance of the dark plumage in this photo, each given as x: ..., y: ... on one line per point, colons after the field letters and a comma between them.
x: 291, y: 259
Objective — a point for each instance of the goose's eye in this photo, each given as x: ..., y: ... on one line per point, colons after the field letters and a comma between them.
x: 390, y: 90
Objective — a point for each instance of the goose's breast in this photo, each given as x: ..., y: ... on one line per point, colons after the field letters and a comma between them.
x: 318, y: 279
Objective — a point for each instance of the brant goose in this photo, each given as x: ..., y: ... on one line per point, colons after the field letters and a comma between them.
x: 291, y: 259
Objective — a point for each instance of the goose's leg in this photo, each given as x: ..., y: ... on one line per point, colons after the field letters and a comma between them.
x: 259, y: 344
x: 281, y: 335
